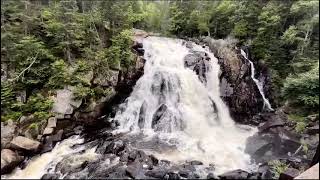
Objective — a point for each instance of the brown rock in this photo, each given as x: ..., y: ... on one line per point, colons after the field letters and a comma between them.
x: 23, y: 143
x: 9, y: 160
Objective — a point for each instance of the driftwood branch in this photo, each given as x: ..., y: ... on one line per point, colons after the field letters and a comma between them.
x: 22, y: 72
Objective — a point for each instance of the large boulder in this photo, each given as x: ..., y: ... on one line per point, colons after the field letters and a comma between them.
x: 276, y: 143
x: 23, y: 143
x: 52, y: 122
x: 91, y: 114
x: 272, y: 120
x: 9, y: 160
x: 64, y: 102
x: 8, y: 131
x: 139, y: 34
x: 236, y: 174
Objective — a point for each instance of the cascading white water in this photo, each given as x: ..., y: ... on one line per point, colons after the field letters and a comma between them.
x: 257, y: 82
x: 39, y: 165
x: 194, y: 120
x: 199, y: 130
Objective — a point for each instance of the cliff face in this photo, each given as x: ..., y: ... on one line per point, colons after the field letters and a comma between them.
x: 238, y: 89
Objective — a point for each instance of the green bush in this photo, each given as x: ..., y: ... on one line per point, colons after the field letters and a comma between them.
x: 82, y: 92
x: 11, y: 115
x: 120, y: 51
x: 60, y: 75
x: 302, y: 90
x: 37, y: 103
x: 300, y: 127
x: 277, y: 167
x: 7, y: 96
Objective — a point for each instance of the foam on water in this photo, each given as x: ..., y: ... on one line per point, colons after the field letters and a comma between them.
x: 191, y: 123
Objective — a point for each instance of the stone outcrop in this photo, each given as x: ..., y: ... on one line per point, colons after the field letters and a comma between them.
x: 9, y: 160
x: 8, y: 131
x: 64, y: 103
x: 289, y: 174
x: 25, y: 144
x: 198, y: 62
x: 237, y: 88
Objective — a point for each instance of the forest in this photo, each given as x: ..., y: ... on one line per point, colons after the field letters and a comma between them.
x: 51, y: 36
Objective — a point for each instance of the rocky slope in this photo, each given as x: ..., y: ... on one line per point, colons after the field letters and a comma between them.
x: 69, y: 115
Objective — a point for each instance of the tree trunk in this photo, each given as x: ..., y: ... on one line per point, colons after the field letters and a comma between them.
x: 80, y: 6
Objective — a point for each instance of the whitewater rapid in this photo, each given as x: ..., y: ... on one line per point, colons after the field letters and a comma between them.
x: 195, y: 121
x: 46, y: 163
x: 190, y: 122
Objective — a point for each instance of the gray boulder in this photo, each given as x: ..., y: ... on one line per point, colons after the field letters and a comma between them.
x: 8, y: 131
x: 289, y: 174
x: 9, y: 160
x: 236, y: 174
x: 23, y: 143
x: 52, y: 122
x: 64, y: 102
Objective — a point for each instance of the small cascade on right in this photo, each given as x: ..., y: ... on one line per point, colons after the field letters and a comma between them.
x: 266, y: 102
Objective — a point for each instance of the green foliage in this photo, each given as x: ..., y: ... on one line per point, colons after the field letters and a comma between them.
x: 11, y: 115
x: 100, y: 92
x: 300, y: 127
x: 41, y: 115
x: 35, y: 103
x: 81, y: 73
x: 32, y: 59
x: 303, y: 90
x: 82, y: 92
x: 120, y: 51
x: 296, y: 118
x: 7, y: 96
x: 277, y: 167
x: 34, y: 126
x: 49, y: 46
x: 60, y: 75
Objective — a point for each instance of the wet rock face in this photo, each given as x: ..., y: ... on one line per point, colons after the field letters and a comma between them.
x: 237, y: 88
x: 50, y: 176
x: 118, y: 158
x: 198, y: 62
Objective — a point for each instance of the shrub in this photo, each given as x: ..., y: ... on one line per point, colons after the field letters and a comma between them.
x: 277, y: 167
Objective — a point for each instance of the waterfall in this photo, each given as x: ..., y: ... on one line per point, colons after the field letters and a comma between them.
x: 169, y: 101
x: 257, y: 82
x: 182, y: 116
